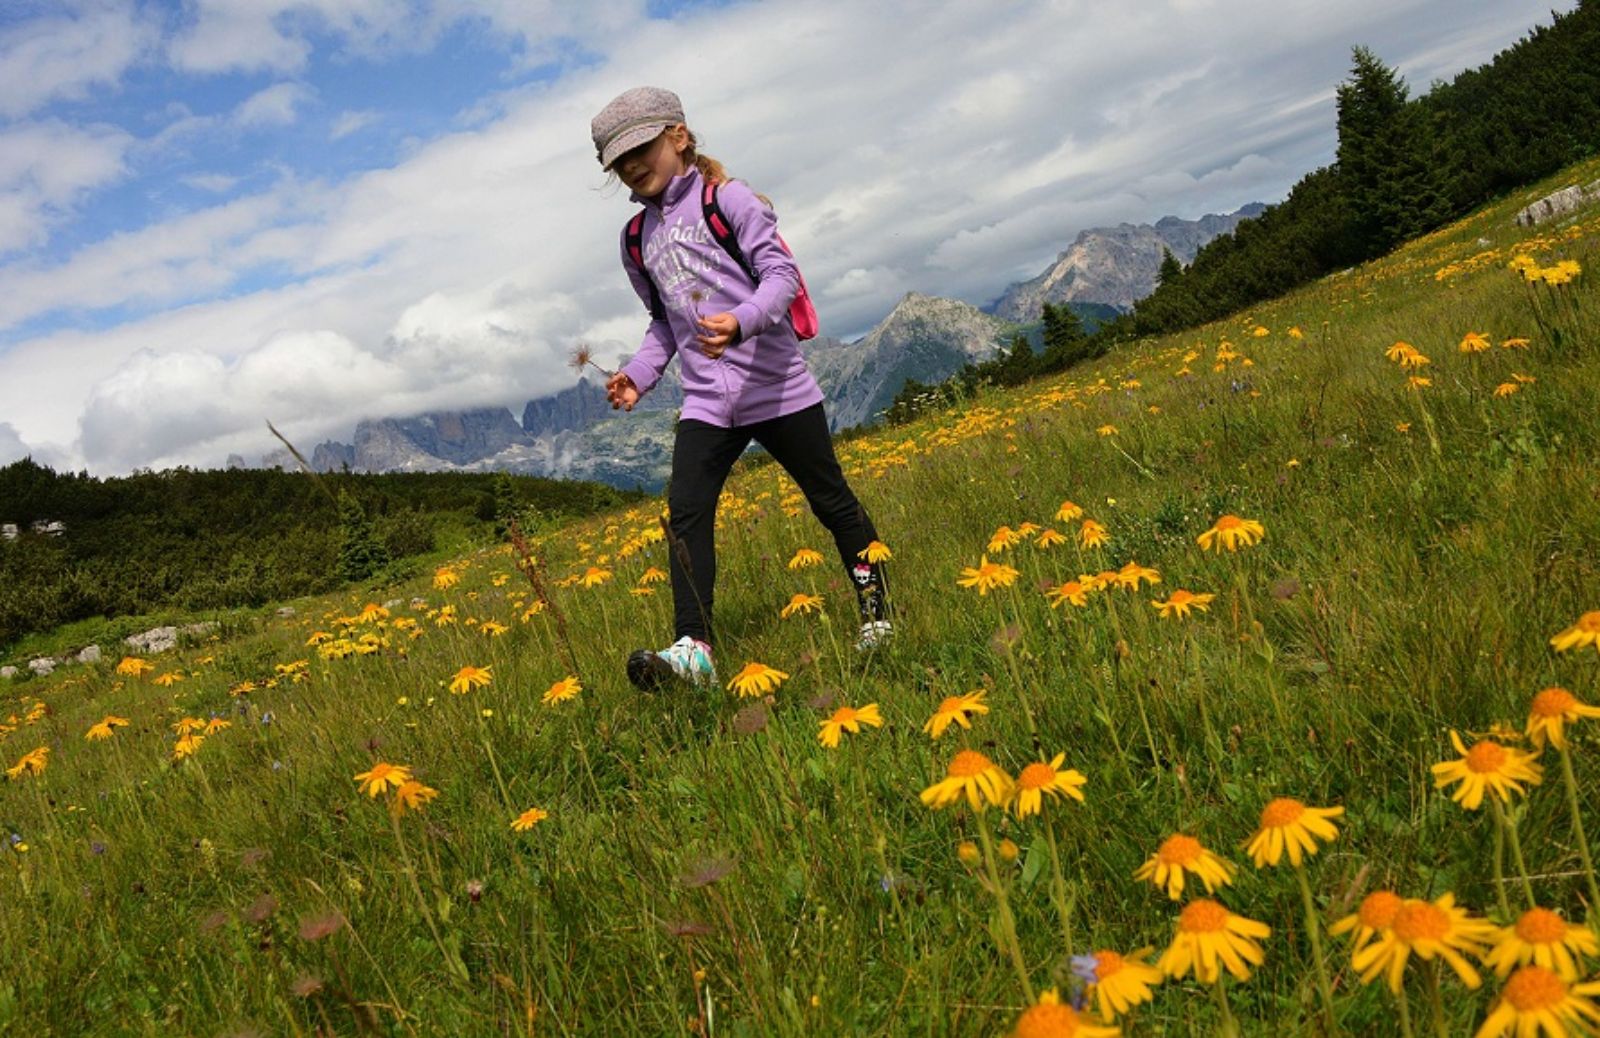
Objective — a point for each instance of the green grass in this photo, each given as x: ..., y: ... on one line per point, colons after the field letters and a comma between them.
x: 704, y: 871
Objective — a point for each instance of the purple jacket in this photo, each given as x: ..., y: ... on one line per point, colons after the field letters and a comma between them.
x: 762, y: 375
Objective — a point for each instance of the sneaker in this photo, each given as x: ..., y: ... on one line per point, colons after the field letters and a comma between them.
x: 686, y: 659
x: 874, y: 633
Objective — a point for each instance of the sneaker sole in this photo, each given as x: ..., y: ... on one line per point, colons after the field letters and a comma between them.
x: 648, y: 671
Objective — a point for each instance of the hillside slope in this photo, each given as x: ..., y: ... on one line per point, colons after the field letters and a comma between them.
x: 1428, y: 559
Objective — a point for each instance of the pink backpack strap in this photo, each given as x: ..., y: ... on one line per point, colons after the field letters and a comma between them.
x: 633, y: 243
x: 802, y: 313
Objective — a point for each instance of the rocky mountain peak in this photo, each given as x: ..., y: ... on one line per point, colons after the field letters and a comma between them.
x: 1116, y: 265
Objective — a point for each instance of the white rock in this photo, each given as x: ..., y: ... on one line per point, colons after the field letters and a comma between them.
x: 42, y: 666
x: 285, y: 612
x: 157, y: 639
x: 90, y: 654
x: 8, y: 672
x: 1558, y: 203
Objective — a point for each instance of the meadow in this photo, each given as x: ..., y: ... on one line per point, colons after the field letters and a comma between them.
x: 1183, y: 640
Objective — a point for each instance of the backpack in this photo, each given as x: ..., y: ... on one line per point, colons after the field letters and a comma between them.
x: 801, y: 313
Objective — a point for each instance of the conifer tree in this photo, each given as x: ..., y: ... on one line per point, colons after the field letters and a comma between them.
x: 1171, y: 270
x: 1064, y: 338
x: 505, y: 504
x: 1385, y: 158
x: 361, y: 554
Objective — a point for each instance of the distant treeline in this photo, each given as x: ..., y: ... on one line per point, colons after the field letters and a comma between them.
x: 191, y: 539
x: 1404, y: 167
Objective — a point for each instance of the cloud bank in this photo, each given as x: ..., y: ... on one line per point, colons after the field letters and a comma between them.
x: 938, y: 148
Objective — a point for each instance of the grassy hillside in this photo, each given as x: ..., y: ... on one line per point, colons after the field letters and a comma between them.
x: 707, y: 866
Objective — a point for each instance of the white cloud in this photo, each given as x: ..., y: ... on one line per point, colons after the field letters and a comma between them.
x: 64, y: 57
x: 11, y: 445
x: 276, y: 35
x: 216, y: 183
x: 350, y: 122
x: 45, y: 168
x: 273, y: 106
x: 898, y: 157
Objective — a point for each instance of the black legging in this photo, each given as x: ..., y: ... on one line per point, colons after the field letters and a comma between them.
x: 703, y: 455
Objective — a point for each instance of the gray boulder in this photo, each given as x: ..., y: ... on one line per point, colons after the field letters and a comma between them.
x: 1558, y: 204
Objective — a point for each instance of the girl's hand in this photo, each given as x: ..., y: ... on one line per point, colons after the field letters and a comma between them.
x: 621, y: 391
x: 721, y: 331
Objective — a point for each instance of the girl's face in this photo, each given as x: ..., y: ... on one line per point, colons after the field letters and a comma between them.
x: 649, y: 168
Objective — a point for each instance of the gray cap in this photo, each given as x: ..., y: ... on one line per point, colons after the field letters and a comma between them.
x: 633, y: 118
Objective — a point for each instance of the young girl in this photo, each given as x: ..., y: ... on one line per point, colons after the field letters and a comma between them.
x: 743, y: 376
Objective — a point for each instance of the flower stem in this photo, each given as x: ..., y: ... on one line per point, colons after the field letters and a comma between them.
x: 1064, y: 902
x: 1008, y: 924
x: 1226, y: 1027
x: 1404, y: 1005
x: 1504, y: 816
x: 452, y: 960
x: 1499, y: 862
x: 1431, y: 976
x: 1314, y: 929
x: 1577, y: 827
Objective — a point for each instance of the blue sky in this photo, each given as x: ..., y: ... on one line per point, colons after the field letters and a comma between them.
x: 218, y: 212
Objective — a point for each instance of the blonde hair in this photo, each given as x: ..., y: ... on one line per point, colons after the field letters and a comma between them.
x: 709, y: 168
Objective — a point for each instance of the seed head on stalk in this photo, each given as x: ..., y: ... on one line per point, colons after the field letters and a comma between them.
x: 583, y: 356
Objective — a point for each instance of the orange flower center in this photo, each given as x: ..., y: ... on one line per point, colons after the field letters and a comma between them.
x: 1589, y: 622
x: 1281, y: 812
x: 1229, y: 522
x: 1486, y: 757
x: 950, y: 705
x: 1047, y: 1020
x: 1180, y: 597
x: 1105, y: 964
x: 1203, y: 916
x: 1379, y: 908
x: 1541, y: 926
x: 969, y: 764
x: 1420, y: 921
x: 1036, y: 776
x: 1553, y: 702
x: 1533, y: 988
x: 843, y: 714
x: 1180, y: 850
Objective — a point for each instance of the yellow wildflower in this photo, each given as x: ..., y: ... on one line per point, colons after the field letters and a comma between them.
x: 1287, y: 823
x: 1583, y: 633
x: 801, y: 603
x: 1231, y: 532
x: 529, y: 818
x: 987, y: 576
x: 382, y: 777
x: 804, y: 558
x: 1039, y: 779
x: 757, y: 679
x: 469, y: 678
x: 563, y: 690
x: 1488, y: 766
x: 954, y: 710
x: 973, y: 776
x: 1178, y: 854
x: 1210, y: 937
x: 848, y: 719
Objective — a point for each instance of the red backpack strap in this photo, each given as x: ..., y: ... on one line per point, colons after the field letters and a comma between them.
x: 722, y: 230
x: 633, y: 242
